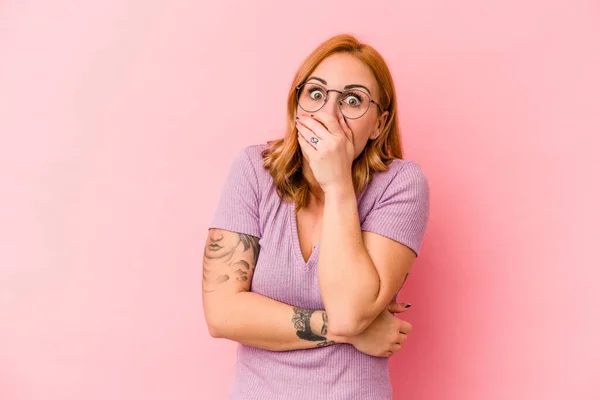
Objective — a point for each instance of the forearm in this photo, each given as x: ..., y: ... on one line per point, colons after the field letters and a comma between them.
x: 259, y: 321
x: 350, y: 296
x: 233, y: 312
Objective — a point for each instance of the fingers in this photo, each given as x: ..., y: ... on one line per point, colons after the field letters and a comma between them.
x: 347, y: 131
x: 330, y: 122
x: 395, y: 307
x: 326, y: 127
x: 398, y: 339
x: 305, y: 136
x: 314, y: 126
x: 404, y: 326
x: 395, y: 347
x: 401, y: 338
x: 308, y: 149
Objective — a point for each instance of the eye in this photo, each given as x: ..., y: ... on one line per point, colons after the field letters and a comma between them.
x: 316, y: 94
x: 353, y: 99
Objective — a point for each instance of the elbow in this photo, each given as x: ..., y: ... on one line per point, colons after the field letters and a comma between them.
x: 347, y: 330
x: 349, y: 317
x: 216, y: 324
x: 217, y: 317
x: 214, y: 329
x: 346, y: 324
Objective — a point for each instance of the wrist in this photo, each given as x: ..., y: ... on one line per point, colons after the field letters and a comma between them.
x: 339, y: 190
x: 339, y: 339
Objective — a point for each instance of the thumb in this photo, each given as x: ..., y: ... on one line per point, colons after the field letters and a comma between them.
x: 395, y: 307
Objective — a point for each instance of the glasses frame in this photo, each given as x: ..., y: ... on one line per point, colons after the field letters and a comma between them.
x: 298, y: 88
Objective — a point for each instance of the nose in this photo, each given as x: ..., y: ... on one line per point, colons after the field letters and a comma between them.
x: 215, y: 236
x: 332, y: 106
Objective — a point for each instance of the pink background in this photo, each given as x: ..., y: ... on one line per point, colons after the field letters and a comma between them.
x: 118, y: 122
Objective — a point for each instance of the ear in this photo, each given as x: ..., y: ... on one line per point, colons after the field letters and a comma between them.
x: 381, y: 121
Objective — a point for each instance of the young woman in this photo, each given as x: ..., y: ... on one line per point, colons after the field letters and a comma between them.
x: 314, y: 236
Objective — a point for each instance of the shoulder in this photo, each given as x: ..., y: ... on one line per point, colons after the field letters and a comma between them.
x: 254, y: 151
x: 252, y: 155
x: 249, y: 160
x: 396, y: 204
x: 247, y: 170
x: 407, y: 169
x: 401, y: 175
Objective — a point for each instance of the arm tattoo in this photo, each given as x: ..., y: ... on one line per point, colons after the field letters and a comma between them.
x: 228, y: 257
x: 325, y: 343
x: 324, y: 328
x: 301, y: 321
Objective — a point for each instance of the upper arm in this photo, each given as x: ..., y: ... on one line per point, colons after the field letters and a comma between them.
x: 393, y: 231
x: 229, y: 261
x: 231, y: 249
x: 393, y: 262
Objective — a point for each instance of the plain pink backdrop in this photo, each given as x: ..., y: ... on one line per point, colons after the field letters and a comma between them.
x: 118, y: 122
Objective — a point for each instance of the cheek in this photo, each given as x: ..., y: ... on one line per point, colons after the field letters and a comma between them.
x: 230, y: 243
x: 300, y: 111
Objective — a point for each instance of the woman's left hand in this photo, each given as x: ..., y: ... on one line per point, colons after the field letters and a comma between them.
x: 328, y: 144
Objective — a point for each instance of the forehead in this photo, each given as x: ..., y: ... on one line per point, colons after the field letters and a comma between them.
x: 343, y: 69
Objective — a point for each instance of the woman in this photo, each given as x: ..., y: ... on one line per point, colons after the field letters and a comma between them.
x: 314, y: 236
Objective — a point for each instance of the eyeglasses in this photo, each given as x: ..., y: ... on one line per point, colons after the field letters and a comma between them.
x: 353, y: 103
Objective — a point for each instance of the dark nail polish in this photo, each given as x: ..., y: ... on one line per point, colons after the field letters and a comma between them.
x: 407, y: 305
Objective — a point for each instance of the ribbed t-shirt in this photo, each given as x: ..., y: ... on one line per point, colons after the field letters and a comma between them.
x: 394, y: 204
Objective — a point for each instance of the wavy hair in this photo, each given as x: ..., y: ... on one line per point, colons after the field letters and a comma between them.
x: 283, y: 157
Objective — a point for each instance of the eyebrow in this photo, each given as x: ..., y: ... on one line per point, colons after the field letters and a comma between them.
x: 324, y: 82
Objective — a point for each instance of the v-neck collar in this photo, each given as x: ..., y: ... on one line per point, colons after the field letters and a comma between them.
x: 309, y: 264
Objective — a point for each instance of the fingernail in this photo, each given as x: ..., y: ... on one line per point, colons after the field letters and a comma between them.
x: 407, y: 305
x: 297, y: 117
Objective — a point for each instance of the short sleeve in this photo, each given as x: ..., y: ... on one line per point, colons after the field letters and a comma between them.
x: 237, y: 208
x: 402, y: 212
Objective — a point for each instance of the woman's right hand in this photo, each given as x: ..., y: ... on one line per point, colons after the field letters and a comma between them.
x: 385, y: 335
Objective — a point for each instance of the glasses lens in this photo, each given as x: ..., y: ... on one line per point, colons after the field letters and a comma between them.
x: 354, y: 103
x: 311, y: 97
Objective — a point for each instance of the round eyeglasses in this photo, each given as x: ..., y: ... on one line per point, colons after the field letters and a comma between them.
x: 353, y: 103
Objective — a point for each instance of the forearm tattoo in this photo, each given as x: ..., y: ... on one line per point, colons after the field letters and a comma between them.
x: 325, y: 321
x: 301, y: 320
x: 228, y: 257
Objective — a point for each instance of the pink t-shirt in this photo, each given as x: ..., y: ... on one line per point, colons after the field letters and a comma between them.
x: 395, y: 204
